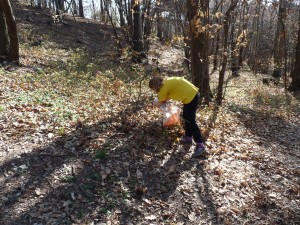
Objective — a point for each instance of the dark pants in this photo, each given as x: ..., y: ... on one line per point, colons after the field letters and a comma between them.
x: 189, y: 116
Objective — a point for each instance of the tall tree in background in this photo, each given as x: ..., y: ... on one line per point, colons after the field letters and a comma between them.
x: 197, y: 12
x: 147, y: 25
x: 255, y: 31
x: 242, y: 33
x: 295, y: 74
x: 159, y: 21
x: 13, y: 52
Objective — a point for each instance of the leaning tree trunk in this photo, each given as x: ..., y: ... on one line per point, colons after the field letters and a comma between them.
x: 13, y: 53
x: 295, y: 74
x: 198, y: 46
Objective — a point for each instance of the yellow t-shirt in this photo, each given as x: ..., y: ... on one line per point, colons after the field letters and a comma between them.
x: 177, y: 88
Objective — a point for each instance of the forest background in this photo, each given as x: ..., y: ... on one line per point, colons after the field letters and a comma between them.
x: 80, y: 143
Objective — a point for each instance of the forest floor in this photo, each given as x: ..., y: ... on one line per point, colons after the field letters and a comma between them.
x: 79, y: 143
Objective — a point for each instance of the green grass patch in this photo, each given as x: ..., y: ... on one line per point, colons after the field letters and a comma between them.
x: 68, y: 179
x: 101, y: 154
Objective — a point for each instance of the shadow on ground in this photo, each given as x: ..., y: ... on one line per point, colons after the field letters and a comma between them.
x: 114, y: 170
x: 273, y: 131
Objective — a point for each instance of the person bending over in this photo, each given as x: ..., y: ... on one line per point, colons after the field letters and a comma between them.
x: 180, y: 89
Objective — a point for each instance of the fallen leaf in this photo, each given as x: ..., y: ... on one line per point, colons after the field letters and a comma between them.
x: 151, y: 217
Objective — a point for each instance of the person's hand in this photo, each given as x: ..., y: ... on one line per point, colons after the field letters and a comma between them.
x: 156, y: 103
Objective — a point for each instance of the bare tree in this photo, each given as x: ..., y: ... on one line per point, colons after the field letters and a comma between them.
x: 225, y: 47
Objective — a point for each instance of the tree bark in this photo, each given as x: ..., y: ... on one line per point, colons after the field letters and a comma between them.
x: 279, y: 40
x: 138, y: 43
x: 80, y: 5
x: 119, y: 4
x: 147, y: 25
x: 185, y: 31
x: 242, y: 41
x: 4, y: 40
x: 295, y: 74
x: 216, y: 46
x: 13, y: 54
x: 196, y: 10
x: 159, y: 25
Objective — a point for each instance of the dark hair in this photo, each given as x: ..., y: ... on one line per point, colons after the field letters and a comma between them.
x: 155, y: 83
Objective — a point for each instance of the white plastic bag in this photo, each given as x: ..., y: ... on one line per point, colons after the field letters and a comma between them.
x: 171, y: 115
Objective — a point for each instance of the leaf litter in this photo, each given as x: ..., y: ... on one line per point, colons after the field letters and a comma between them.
x: 94, y: 152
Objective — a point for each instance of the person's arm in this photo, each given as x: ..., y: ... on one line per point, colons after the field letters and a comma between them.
x: 158, y: 103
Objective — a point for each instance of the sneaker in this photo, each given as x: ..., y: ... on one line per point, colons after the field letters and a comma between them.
x: 199, y: 150
x: 186, y: 140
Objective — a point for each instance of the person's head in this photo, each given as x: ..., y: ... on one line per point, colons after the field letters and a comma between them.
x: 155, y: 83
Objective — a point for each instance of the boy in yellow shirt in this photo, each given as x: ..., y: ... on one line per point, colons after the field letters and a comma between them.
x: 180, y: 89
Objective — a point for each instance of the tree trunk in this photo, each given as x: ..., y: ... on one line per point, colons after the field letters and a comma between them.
x: 233, y: 53
x: 159, y: 25
x: 102, y: 11
x: 13, y: 53
x: 129, y: 14
x: 61, y: 5
x: 138, y: 43
x: 295, y: 74
x: 216, y: 52
x: 185, y: 30
x: 198, y: 46
x: 279, y: 40
x: 147, y: 26
x: 80, y: 5
x: 119, y: 4
x: 4, y: 40
x: 93, y: 10
x: 74, y: 4
x: 216, y: 47
x: 225, y: 46
x: 242, y: 41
